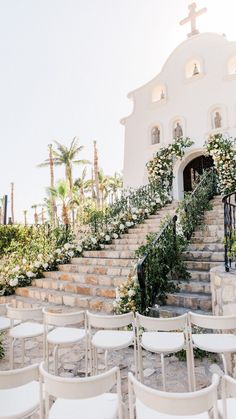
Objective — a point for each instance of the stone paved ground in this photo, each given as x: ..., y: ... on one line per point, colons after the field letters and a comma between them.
x: 72, y: 364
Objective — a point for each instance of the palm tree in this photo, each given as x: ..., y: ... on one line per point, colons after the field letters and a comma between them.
x: 12, y: 202
x: 36, y: 218
x: 103, y: 186
x: 115, y: 183
x: 96, y: 171
x: 61, y: 192
x: 83, y: 184
x: 25, y: 217
x: 50, y: 162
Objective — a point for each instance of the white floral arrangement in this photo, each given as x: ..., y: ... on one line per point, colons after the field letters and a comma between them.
x: 128, y: 294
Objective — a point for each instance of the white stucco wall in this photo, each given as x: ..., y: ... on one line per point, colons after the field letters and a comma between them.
x: 189, y: 99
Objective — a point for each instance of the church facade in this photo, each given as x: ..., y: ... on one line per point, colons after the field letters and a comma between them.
x: 193, y: 96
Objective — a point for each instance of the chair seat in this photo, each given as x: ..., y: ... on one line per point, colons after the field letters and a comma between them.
x: 215, y: 342
x: 65, y: 335
x: 5, y: 323
x: 19, y: 402
x: 27, y: 330
x: 161, y: 342
x: 231, y: 408
x: 144, y: 412
x: 112, y: 339
x: 100, y: 407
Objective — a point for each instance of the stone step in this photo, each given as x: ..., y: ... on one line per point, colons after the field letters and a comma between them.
x: 102, y: 261
x: 111, y: 254
x: 67, y: 299
x: 119, y: 247
x: 174, y: 311
x: 134, y: 236
x: 201, y: 265
x: 190, y: 301
x: 210, y: 229
x: 75, y: 288
x: 94, y: 279
x: 199, y: 275
x: 130, y: 240
x: 195, y: 287
x: 207, y: 239
x: 100, y: 270
x: 211, y: 247
x: 203, y: 255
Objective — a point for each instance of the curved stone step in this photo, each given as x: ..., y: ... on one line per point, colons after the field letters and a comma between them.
x: 195, y: 287
x: 100, y: 270
x: 174, y: 311
x: 103, y: 261
x: 190, y: 301
x: 204, y: 255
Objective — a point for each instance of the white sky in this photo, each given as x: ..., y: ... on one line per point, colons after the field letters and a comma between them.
x: 66, y: 68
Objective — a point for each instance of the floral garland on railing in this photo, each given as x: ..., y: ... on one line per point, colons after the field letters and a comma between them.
x: 160, y: 167
x: 223, y: 151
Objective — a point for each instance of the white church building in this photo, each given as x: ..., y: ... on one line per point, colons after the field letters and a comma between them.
x: 193, y: 96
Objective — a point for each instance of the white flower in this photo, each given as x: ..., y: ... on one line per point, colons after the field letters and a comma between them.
x: 37, y: 264
x: 93, y: 240
x: 115, y: 236
x: 128, y: 223
x: 24, y: 261
x: 67, y: 246
x: 58, y: 251
x: 30, y: 274
x: 16, y: 269
x: 79, y: 249
x: 107, y: 238
x: 45, y: 265
x: 134, y: 216
x: 121, y: 227
x: 13, y: 282
x: 102, y: 246
x: 131, y: 293
x: 71, y: 254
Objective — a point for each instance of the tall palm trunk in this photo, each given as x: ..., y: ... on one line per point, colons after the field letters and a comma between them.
x: 52, y: 199
x: 1, y: 215
x: 96, y: 170
x: 64, y: 215
x: 43, y: 216
x: 12, y: 202
x: 25, y: 217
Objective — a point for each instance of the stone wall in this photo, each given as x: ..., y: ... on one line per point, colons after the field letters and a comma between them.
x: 223, y: 285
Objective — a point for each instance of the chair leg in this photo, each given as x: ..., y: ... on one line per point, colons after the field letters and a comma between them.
x: 86, y: 356
x: 135, y: 360
x: 106, y: 359
x: 55, y: 357
x: 23, y: 353
x: 189, y: 369
x: 192, y: 368
x: 224, y: 364
x: 140, y: 364
x: 163, y: 372
x: 11, y: 354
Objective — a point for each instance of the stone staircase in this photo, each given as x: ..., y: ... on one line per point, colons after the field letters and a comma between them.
x: 205, y: 251
x: 89, y: 282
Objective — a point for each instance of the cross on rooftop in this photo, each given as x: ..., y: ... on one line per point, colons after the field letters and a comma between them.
x: 192, y: 16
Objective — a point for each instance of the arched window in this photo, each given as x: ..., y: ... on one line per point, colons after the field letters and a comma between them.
x: 193, y: 68
x: 232, y: 65
x: 155, y: 135
x: 159, y: 93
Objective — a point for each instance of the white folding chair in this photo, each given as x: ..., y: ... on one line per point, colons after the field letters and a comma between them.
x: 149, y: 403
x: 5, y: 322
x: 85, y: 398
x: 217, y: 342
x: 19, y: 392
x: 63, y: 334
x: 28, y: 328
x: 162, y: 336
x: 110, y: 339
x: 227, y: 406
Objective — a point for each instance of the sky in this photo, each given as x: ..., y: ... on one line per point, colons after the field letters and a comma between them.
x: 66, y: 69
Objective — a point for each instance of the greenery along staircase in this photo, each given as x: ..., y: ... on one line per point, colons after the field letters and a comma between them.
x: 206, y: 250
x: 90, y: 282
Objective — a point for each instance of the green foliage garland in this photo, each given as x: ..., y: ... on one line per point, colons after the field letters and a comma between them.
x: 160, y: 168
x: 223, y: 151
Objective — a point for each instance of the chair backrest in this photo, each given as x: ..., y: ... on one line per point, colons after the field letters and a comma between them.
x: 175, y: 404
x: 162, y: 324
x: 228, y: 390
x: 212, y: 322
x: 56, y: 318
x: 25, y: 314
x: 19, y: 377
x: 81, y: 388
x: 110, y: 322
